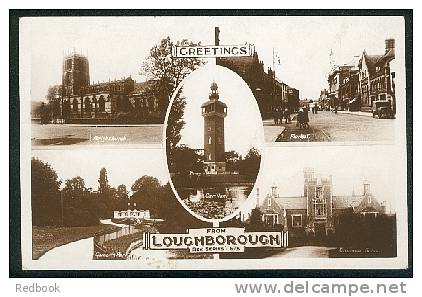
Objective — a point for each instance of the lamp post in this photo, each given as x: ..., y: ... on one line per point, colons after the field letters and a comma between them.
x: 61, y: 205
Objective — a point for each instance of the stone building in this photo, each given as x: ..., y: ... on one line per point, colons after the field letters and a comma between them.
x: 335, y: 79
x: 317, y: 211
x: 82, y: 101
x: 349, y: 96
x: 376, y: 78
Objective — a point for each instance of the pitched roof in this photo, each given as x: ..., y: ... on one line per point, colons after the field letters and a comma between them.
x: 273, y: 208
x: 298, y: 202
x: 369, y: 204
x: 340, y: 202
x: 239, y: 64
x: 377, y: 60
x: 144, y: 86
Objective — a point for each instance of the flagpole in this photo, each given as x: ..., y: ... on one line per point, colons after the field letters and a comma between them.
x: 273, y: 73
x: 273, y: 61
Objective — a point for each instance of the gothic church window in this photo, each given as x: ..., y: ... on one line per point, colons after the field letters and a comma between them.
x: 75, y: 105
x: 101, y: 104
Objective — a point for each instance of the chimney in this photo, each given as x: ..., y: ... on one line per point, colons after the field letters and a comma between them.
x: 274, y: 191
x: 270, y: 72
x: 217, y: 35
x: 366, y: 188
x: 389, y: 45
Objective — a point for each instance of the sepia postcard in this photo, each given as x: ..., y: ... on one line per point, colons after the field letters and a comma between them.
x: 213, y: 142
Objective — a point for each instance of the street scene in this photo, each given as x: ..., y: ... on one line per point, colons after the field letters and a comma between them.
x: 330, y: 126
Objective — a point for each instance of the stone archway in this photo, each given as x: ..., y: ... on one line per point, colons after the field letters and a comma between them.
x: 75, y: 105
x: 87, y: 106
x: 101, y: 104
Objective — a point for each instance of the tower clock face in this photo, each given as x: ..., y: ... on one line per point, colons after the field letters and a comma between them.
x: 213, y: 152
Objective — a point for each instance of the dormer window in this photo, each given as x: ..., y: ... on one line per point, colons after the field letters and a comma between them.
x: 269, y: 202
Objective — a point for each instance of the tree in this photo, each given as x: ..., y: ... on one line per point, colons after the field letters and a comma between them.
x: 121, y: 197
x: 232, y: 159
x: 250, y: 164
x: 103, y: 187
x: 44, y: 113
x: 169, y: 71
x: 75, y: 192
x: 80, y: 205
x: 45, y: 194
x: 147, y: 193
x: 54, y: 99
x: 145, y: 183
x: 186, y: 160
x: 255, y: 220
x: 175, y: 123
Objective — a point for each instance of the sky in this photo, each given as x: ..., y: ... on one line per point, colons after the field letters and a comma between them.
x: 117, y: 46
x: 349, y: 167
x: 242, y: 125
x: 124, y: 166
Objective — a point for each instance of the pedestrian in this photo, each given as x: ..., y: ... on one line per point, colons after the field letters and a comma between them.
x: 305, y: 118
x: 287, y: 115
x: 299, y: 118
x: 280, y: 116
x: 275, y: 116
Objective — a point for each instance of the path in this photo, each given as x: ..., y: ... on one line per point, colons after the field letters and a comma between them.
x: 305, y: 252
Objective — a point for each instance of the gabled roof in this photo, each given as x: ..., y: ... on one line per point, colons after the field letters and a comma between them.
x: 274, y: 208
x: 298, y: 202
x: 340, y: 202
x: 369, y: 203
x: 372, y: 61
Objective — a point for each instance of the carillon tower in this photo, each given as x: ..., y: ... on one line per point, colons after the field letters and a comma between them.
x: 214, y: 111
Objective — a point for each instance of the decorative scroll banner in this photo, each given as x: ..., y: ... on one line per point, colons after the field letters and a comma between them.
x: 215, y: 240
x: 212, y: 51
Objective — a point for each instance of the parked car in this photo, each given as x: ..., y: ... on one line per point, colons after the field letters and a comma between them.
x: 382, y: 109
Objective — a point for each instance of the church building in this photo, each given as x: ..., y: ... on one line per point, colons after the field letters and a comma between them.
x: 81, y: 101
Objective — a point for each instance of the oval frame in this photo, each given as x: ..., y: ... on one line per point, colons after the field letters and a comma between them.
x: 215, y: 222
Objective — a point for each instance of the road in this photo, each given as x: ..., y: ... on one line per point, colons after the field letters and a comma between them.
x: 56, y: 134
x: 304, y: 252
x: 79, y: 251
x: 341, y: 127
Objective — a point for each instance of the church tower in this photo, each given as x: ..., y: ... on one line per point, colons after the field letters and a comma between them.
x: 214, y: 112
x: 75, y: 74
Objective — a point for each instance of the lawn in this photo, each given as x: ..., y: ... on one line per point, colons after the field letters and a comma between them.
x: 47, y: 238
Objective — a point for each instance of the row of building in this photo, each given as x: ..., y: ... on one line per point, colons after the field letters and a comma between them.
x: 357, y: 85
x: 270, y: 92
